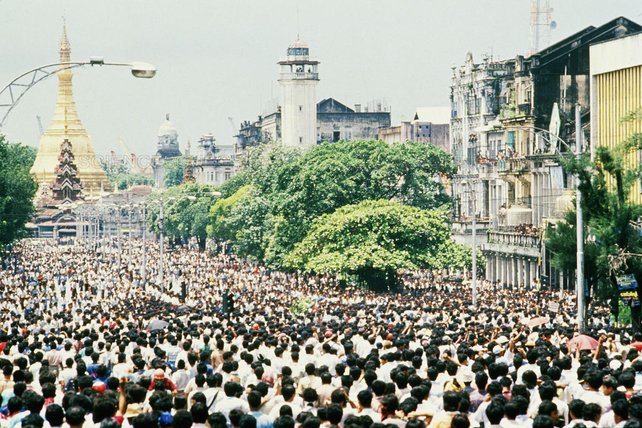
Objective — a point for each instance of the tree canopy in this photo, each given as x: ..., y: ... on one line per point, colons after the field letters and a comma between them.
x: 286, y: 204
x: 185, y: 211
x: 372, y: 240
x: 290, y: 189
x: 175, y: 170
x: 17, y: 189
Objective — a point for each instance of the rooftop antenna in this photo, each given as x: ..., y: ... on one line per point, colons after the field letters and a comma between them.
x: 541, y: 25
x: 298, y: 24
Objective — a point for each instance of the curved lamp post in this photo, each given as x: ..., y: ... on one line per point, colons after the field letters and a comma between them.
x: 13, y: 92
x: 579, y: 286
x: 161, y: 226
x: 473, y: 278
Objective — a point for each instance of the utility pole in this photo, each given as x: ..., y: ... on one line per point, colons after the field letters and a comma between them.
x: 144, y: 275
x: 120, y: 237
x: 162, y: 226
x: 129, y: 234
x: 474, y: 276
x: 579, y: 286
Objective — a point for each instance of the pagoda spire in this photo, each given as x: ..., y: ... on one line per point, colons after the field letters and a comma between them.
x: 65, y: 47
x: 66, y: 124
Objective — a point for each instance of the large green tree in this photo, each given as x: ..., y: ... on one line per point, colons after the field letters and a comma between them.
x: 243, y: 219
x: 17, y: 189
x: 175, y: 170
x: 186, y: 211
x: 372, y: 241
x: 292, y: 188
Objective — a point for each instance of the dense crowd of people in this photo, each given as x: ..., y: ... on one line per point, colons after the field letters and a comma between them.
x: 89, y: 337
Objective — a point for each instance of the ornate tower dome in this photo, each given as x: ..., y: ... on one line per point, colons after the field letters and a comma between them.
x: 167, y: 146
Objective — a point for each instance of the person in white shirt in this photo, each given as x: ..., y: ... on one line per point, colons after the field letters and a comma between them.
x: 592, y: 394
x: 365, y: 406
x: 231, y: 400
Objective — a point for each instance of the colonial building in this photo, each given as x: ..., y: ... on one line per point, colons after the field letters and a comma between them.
x: 335, y: 122
x: 167, y: 148
x: 301, y: 121
x: 429, y: 125
x: 510, y: 123
x: 214, y: 162
x: 66, y: 125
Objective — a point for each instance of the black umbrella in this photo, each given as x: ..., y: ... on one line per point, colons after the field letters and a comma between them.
x: 156, y: 324
x: 183, y: 309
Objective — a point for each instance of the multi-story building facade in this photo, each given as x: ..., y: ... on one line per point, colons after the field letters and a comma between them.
x: 429, y: 125
x: 511, y: 122
x: 335, y: 122
x: 300, y: 121
x: 214, y: 163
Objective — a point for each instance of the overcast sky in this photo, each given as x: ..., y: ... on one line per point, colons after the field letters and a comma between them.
x: 217, y: 59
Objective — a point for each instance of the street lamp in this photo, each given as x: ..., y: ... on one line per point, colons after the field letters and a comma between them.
x: 13, y: 92
x: 161, y: 226
x: 579, y: 275
x: 473, y: 279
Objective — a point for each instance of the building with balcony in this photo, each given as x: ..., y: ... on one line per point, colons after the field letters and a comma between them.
x: 298, y: 79
x: 509, y: 122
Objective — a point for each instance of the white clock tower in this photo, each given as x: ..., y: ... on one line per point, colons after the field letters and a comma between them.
x: 299, y: 77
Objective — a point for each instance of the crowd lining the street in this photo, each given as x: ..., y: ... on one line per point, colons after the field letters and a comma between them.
x: 86, y: 342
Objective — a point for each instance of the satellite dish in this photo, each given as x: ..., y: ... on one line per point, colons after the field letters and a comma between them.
x: 553, y: 25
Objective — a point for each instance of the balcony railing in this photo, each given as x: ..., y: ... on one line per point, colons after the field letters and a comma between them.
x: 300, y: 76
x: 513, y: 238
x: 514, y: 166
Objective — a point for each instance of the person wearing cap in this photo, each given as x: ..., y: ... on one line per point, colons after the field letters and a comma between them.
x: 159, y: 377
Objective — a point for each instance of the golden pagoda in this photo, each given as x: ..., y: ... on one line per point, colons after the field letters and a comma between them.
x: 66, y: 125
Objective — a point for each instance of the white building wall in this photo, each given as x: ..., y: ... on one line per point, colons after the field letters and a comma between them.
x: 299, y: 113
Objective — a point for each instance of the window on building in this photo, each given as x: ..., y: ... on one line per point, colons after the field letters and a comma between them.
x: 300, y: 108
x: 473, y: 104
x: 472, y: 155
x: 336, y: 135
x: 510, y: 140
x: 492, y: 149
x: 228, y: 175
